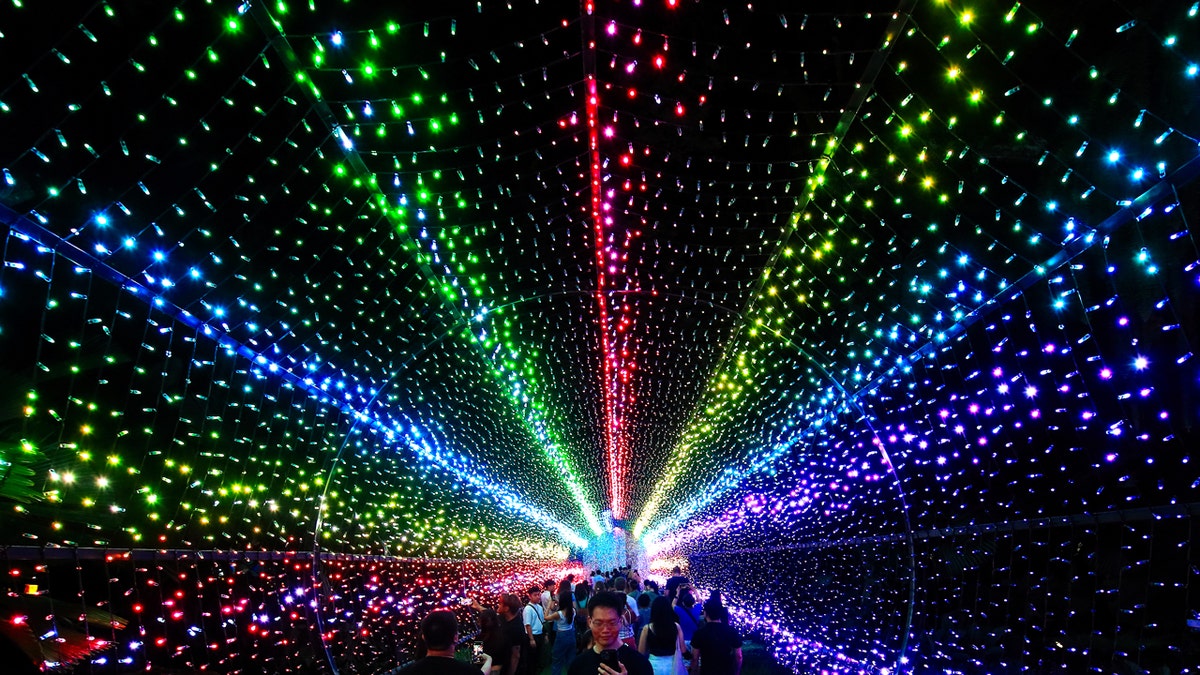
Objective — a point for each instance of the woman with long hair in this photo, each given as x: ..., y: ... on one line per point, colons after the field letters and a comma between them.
x: 662, y: 640
x: 562, y: 613
x: 495, y: 642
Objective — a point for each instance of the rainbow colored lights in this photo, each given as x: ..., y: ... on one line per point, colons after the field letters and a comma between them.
x: 877, y: 316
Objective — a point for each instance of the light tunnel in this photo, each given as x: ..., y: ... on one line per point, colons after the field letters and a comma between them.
x: 877, y: 316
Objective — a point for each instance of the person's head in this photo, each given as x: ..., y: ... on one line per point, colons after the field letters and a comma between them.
x: 601, y: 587
x: 644, y: 603
x: 565, y: 605
x: 548, y: 585
x: 686, y: 599
x: 582, y: 591
x: 716, y: 613
x: 619, y: 585
x: 604, y: 618
x: 564, y: 585
x: 439, y: 630
x: 535, y: 593
x: 651, y: 585
x: 511, y: 604
x: 489, y: 622
x: 662, y: 616
x: 676, y: 571
x: 571, y: 578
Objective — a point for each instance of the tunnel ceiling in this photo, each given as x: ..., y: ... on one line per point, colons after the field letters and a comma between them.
x: 481, y: 271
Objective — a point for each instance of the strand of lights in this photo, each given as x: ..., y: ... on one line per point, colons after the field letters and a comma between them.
x: 456, y: 467
x: 523, y: 396
x: 616, y: 449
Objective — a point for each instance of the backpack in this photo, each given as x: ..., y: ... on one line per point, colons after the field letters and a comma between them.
x: 583, y: 634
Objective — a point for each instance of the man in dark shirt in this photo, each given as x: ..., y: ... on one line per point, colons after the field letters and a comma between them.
x: 514, y: 629
x: 439, y: 632
x: 718, y: 644
x: 604, y: 619
x: 676, y: 579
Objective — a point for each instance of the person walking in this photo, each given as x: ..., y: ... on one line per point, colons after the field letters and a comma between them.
x: 662, y: 640
x: 562, y: 613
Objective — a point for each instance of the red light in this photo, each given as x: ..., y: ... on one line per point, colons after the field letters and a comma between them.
x: 625, y: 160
x: 672, y: 3
x: 631, y: 93
x: 679, y: 109
x: 659, y: 61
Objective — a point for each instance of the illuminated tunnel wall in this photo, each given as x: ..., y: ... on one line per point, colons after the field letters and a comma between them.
x: 879, y: 317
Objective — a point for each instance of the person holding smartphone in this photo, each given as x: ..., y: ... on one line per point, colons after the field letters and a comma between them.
x: 608, y: 656
x: 439, y: 635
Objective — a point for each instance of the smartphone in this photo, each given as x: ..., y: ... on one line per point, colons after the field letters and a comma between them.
x: 477, y: 652
x: 609, y: 658
x: 464, y: 601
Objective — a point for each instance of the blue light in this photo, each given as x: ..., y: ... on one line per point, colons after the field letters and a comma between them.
x: 195, y: 273
x: 159, y: 256
x: 1114, y: 156
x: 100, y: 249
x: 1141, y: 363
x: 1192, y: 70
x: 130, y: 242
x: 337, y: 39
x: 101, y: 220
x: 1138, y: 174
x: 367, y: 111
x: 217, y: 311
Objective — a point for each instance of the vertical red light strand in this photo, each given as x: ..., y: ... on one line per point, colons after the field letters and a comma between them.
x: 615, y: 448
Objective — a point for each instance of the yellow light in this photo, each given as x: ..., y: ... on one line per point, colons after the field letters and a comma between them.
x: 953, y: 72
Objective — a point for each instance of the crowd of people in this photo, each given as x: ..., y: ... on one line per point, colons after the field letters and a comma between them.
x: 611, y: 623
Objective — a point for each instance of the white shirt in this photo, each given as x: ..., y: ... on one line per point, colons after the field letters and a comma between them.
x: 532, y: 616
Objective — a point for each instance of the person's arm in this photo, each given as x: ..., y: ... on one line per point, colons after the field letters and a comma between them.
x: 528, y: 623
x: 642, y: 640
x: 486, y: 667
x: 737, y: 661
x: 514, y: 659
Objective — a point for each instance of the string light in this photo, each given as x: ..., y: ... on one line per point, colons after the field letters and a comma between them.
x: 316, y: 318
